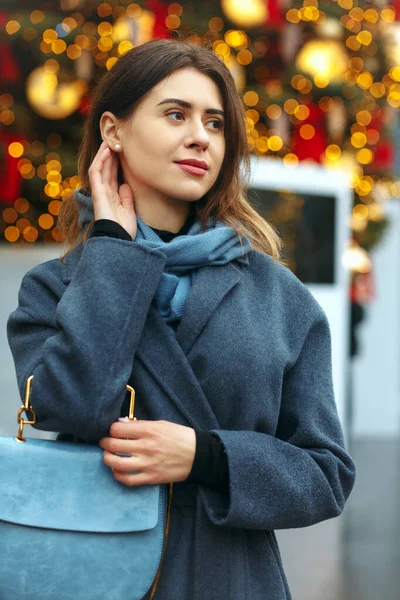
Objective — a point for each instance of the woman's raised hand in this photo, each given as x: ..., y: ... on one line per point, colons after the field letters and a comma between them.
x: 158, y: 451
x: 108, y: 202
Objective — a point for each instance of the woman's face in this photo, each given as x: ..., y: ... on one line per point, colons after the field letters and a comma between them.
x: 160, y: 133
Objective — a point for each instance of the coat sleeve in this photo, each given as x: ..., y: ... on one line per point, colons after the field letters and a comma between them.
x: 303, y: 474
x: 80, y: 344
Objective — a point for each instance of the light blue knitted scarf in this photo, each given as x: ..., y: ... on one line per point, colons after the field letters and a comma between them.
x: 217, y: 245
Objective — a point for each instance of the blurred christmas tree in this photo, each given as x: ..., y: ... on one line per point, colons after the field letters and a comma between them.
x: 320, y: 79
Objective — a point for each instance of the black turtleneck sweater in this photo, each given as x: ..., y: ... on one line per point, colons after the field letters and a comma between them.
x: 210, y: 466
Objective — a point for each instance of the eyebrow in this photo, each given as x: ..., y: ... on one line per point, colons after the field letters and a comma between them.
x: 208, y: 111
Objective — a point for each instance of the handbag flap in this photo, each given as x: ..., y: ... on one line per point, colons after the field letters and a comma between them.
x: 66, y: 486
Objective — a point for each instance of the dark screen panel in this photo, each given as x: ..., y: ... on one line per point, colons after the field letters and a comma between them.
x: 306, y: 223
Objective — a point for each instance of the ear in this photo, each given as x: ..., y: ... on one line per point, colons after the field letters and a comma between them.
x: 109, y: 128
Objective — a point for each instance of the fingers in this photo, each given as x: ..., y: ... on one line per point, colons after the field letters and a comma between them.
x: 114, y: 173
x: 96, y: 168
x: 126, y: 195
x: 106, y: 173
x: 132, y: 480
x: 132, y: 429
x: 127, y: 446
x: 102, y: 154
x: 123, y: 463
x: 129, y: 470
x: 110, y: 171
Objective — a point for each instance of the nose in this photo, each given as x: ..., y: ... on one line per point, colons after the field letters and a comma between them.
x: 198, y: 136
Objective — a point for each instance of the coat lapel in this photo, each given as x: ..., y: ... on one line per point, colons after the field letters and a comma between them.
x: 209, y: 287
x: 164, y: 353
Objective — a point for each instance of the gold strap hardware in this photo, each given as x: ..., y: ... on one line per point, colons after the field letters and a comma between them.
x: 28, y: 408
x: 132, y: 404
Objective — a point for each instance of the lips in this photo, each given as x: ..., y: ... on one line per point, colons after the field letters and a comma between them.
x: 193, y: 162
x: 192, y: 170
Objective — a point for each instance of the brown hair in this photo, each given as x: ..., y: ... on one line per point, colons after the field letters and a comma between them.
x: 133, y: 75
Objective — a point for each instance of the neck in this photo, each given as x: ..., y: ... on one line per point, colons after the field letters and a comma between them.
x: 160, y: 212
x: 167, y: 217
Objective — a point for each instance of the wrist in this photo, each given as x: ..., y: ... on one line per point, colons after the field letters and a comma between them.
x: 110, y: 228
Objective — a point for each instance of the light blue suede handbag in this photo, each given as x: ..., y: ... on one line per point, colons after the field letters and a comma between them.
x: 68, y: 529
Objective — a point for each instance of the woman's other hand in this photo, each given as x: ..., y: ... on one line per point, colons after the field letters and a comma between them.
x: 108, y: 202
x: 162, y: 451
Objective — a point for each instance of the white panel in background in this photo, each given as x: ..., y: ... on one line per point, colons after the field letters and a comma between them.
x: 376, y: 385
x: 334, y: 298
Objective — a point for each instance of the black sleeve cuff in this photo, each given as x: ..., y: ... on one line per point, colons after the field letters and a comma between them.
x: 210, y: 465
x: 107, y: 227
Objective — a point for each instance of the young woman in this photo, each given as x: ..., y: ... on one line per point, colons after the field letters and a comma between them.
x: 172, y: 284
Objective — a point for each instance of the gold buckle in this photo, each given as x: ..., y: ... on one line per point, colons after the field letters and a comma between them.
x: 28, y: 408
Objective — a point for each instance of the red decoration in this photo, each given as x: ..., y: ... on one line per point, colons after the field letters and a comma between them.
x: 159, y: 9
x: 276, y: 11
x: 84, y: 105
x: 9, y: 68
x: 384, y: 159
x: 396, y: 5
x: 384, y: 155
x: 362, y: 289
x: 10, y: 178
x: 315, y: 147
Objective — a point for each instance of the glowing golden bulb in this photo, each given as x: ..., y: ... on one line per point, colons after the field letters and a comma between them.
x: 251, y: 13
x: 326, y: 59
x: 51, y: 98
x: 356, y: 259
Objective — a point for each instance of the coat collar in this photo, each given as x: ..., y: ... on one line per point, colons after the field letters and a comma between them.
x: 165, y: 354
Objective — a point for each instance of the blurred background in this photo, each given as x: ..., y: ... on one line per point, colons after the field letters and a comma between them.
x: 321, y: 85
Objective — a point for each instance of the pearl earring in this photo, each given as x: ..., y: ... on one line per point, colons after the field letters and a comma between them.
x: 117, y: 147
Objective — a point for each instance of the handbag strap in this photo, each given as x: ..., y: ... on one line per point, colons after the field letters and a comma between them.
x: 165, y: 542
x: 158, y: 574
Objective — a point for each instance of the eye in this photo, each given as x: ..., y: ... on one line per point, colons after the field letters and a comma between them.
x: 176, y: 112
x: 217, y: 121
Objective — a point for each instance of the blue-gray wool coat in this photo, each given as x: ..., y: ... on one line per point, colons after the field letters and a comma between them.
x: 251, y: 360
